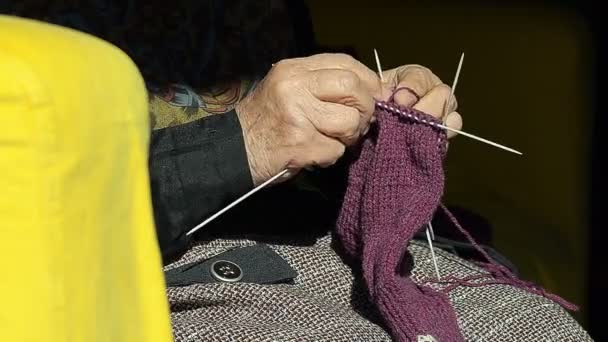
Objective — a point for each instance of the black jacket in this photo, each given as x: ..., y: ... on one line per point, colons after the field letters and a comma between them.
x: 196, y: 169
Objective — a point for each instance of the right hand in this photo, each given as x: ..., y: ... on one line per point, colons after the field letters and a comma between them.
x: 305, y: 112
x: 433, y: 93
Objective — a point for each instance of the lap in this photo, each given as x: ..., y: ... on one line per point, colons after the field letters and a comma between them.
x: 327, y: 301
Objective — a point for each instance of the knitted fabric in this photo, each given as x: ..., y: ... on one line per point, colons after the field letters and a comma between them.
x: 394, y: 187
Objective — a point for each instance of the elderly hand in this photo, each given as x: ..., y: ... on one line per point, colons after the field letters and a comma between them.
x: 432, y: 92
x: 307, y: 110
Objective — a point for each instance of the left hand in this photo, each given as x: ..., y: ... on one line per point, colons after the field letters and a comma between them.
x: 432, y: 91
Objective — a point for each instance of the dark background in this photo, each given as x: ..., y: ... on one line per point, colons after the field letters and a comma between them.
x: 531, y: 80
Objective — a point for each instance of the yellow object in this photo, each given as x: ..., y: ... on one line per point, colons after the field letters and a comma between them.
x: 78, y: 252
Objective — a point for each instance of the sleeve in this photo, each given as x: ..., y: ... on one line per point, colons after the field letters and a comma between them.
x: 196, y: 168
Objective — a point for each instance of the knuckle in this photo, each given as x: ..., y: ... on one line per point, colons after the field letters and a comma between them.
x: 282, y: 64
x: 419, y: 68
x: 298, y: 137
x: 340, y: 151
x: 443, y: 90
x: 334, y: 153
x: 352, y: 130
x: 349, y: 123
x: 348, y: 80
x: 349, y: 133
x: 346, y: 58
x: 328, y: 154
x: 342, y: 126
x: 341, y: 59
x: 282, y: 86
x: 282, y: 69
x: 350, y: 140
x: 419, y: 72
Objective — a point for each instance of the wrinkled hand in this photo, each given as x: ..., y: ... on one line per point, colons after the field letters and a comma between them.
x: 305, y: 112
x: 433, y: 93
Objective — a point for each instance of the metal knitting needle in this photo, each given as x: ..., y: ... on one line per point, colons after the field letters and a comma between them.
x: 486, y: 141
x: 259, y: 187
x: 447, y: 104
x: 447, y: 128
x: 239, y: 200
x: 379, y: 66
x: 432, y: 232
x: 428, y: 238
x: 429, y: 229
x: 445, y: 117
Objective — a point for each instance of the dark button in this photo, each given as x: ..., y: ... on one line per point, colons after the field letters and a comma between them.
x: 226, y: 271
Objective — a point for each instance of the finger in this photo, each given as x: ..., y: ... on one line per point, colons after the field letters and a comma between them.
x: 336, y: 121
x: 434, y: 102
x: 342, y: 87
x: 453, y: 120
x: 405, y: 96
x: 369, y: 79
x: 323, y: 151
x: 415, y: 77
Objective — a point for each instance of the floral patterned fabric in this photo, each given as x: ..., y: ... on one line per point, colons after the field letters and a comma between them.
x: 179, y: 104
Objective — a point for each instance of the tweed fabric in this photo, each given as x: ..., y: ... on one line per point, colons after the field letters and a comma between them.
x: 327, y: 303
x: 281, y: 312
x: 394, y: 188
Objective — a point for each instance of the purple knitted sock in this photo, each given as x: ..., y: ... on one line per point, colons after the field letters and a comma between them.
x: 394, y: 187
